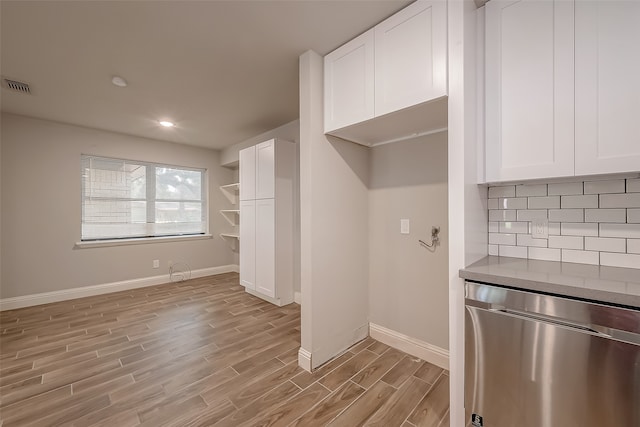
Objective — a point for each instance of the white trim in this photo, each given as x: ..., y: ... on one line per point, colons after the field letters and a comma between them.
x: 138, y: 241
x: 425, y: 351
x: 304, y: 359
x: 105, y: 288
x: 297, y: 297
x: 407, y: 137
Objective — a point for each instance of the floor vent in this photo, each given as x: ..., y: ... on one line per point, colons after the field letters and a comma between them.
x: 17, y: 86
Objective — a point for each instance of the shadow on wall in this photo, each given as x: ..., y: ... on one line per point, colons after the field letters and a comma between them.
x: 351, y: 153
x: 418, y: 161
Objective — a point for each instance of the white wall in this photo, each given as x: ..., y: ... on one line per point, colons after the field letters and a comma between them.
x: 41, y: 209
x: 334, y: 228
x: 409, y: 290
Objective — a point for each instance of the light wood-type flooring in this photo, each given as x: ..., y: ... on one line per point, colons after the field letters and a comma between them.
x: 197, y: 353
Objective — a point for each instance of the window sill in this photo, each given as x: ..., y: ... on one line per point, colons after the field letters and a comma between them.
x: 139, y: 241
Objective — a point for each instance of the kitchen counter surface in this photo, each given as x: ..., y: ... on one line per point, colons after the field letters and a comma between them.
x: 607, y: 284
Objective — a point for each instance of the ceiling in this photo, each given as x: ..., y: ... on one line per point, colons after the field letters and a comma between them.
x: 222, y: 71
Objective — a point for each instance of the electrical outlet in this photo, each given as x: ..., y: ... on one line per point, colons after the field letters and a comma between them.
x: 169, y: 264
x: 156, y: 263
x: 540, y: 228
x: 404, y: 226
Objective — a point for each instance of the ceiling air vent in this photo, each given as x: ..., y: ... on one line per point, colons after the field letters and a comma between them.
x: 17, y: 86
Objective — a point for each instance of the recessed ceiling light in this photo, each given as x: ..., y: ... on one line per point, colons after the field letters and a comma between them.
x: 119, y: 81
x: 166, y: 124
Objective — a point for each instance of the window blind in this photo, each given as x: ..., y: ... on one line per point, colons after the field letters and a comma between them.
x: 129, y: 199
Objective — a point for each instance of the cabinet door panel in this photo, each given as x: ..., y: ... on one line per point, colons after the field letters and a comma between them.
x: 607, y: 86
x: 348, y: 83
x: 265, y: 247
x: 265, y: 170
x: 529, y: 89
x: 248, y: 243
x: 411, y: 57
x: 247, y: 171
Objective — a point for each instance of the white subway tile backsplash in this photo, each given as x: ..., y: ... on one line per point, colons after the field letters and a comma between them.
x: 513, y: 251
x: 566, y: 242
x: 502, y: 239
x: 619, y: 260
x: 530, y: 214
x: 578, y: 229
x: 604, y: 215
x: 605, y: 244
x: 502, y: 191
x: 633, y: 216
x: 601, y: 187
x: 566, y: 215
x: 592, y: 222
x: 512, y: 203
x: 633, y: 185
x: 527, y: 240
x: 571, y: 188
x: 580, y: 257
x: 631, y: 231
x: 531, y: 190
x: 628, y: 200
x: 545, y: 254
x: 589, y: 201
x: 546, y: 202
x: 633, y: 246
x: 502, y: 215
x: 514, y: 227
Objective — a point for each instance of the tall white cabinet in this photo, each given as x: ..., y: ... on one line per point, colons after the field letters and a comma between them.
x: 267, y: 182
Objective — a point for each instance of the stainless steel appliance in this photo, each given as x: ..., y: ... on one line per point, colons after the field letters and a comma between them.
x: 534, y: 360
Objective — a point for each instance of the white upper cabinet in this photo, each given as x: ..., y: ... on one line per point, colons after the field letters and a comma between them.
x: 247, y: 172
x: 529, y: 89
x: 371, y: 81
x: 265, y: 170
x: 348, y: 88
x: 607, y: 86
x: 411, y: 57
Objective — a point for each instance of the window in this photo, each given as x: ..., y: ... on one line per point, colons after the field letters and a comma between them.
x: 127, y: 199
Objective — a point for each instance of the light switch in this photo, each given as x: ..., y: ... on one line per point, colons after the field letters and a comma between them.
x: 404, y: 226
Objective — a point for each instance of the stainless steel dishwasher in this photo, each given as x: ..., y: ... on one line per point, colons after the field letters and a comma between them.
x: 535, y: 360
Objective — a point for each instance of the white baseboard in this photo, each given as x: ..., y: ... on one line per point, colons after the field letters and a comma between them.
x: 297, y: 297
x: 105, y: 288
x: 304, y: 359
x: 425, y: 351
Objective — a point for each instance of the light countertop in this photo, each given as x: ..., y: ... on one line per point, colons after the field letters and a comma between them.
x: 592, y: 282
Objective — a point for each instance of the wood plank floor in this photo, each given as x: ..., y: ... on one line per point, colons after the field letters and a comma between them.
x: 198, y: 353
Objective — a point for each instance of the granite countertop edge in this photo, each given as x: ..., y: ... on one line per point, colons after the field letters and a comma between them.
x: 612, y: 285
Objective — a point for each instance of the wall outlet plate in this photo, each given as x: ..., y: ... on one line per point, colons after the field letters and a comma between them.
x: 540, y: 228
x: 404, y: 226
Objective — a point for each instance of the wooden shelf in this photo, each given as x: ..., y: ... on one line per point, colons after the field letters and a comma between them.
x: 229, y: 236
x: 230, y: 215
x: 231, y: 192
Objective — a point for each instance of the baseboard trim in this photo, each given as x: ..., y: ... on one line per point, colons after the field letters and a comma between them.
x: 425, y: 351
x: 105, y: 288
x: 297, y: 297
x: 304, y: 359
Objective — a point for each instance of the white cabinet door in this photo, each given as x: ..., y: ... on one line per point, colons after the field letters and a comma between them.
x: 265, y: 247
x: 529, y: 89
x: 607, y: 86
x: 265, y: 170
x: 411, y: 56
x: 248, y: 243
x: 247, y: 159
x: 348, y: 83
